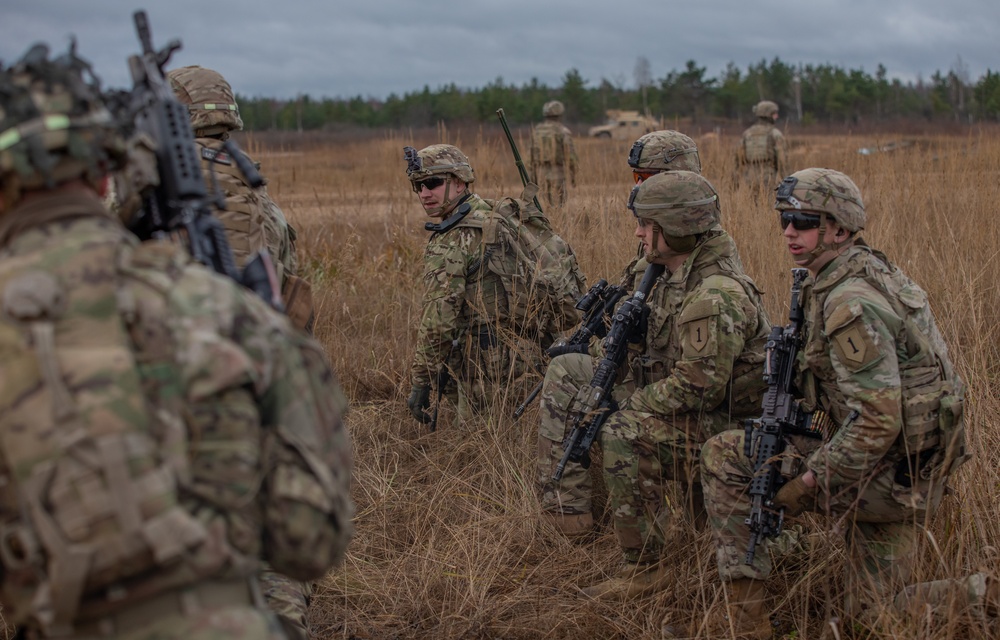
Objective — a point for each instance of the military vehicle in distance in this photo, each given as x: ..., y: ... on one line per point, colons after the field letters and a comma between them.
x: 624, y: 125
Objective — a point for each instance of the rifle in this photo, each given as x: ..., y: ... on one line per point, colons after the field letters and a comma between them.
x: 180, y: 205
x: 781, y: 415
x: 591, y: 325
x: 599, y: 403
x: 517, y: 156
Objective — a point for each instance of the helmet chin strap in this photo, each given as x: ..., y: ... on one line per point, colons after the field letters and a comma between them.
x: 821, y: 245
x: 652, y: 253
x: 448, y: 204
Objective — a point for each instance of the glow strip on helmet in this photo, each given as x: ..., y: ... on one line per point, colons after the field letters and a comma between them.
x: 676, y: 205
x: 209, y: 106
x: 56, y: 122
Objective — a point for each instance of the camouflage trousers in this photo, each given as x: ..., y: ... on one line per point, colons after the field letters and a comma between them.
x: 642, y: 453
x: 881, y: 521
x: 487, y: 368
x: 289, y: 600
x: 552, y: 184
x: 761, y: 176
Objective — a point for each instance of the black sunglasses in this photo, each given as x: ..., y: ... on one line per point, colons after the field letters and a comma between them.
x: 799, y: 221
x: 431, y: 183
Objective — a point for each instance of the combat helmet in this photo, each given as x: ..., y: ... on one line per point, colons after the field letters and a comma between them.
x: 553, y: 109
x: 765, y: 109
x: 209, y: 99
x: 665, y: 150
x: 437, y: 159
x: 824, y: 192
x: 682, y: 204
x: 54, y: 125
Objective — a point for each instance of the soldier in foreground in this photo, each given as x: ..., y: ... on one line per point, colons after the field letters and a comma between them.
x: 252, y: 220
x: 568, y: 503
x: 693, y: 372
x: 875, y: 363
x: 464, y: 303
x: 161, y: 428
x: 553, y: 156
x: 761, y: 155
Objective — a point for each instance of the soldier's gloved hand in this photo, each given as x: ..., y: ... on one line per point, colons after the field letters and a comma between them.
x: 563, y: 349
x: 419, y: 401
x: 797, y: 495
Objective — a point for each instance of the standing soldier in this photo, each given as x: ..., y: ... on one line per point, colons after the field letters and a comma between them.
x: 694, y: 372
x: 874, y: 362
x: 553, y: 155
x: 161, y: 428
x: 761, y: 155
x: 253, y: 222
x: 464, y: 304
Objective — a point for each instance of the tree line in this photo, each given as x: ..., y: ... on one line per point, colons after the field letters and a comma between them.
x: 808, y: 94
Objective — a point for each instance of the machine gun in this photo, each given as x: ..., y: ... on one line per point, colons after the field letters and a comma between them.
x: 781, y: 415
x: 599, y: 403
x: 180, y: 205
x: 597, y: 304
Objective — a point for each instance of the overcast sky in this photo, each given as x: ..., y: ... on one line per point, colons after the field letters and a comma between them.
x: 344, y: 48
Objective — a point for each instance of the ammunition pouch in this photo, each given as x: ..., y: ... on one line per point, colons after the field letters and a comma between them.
x: 298, y: 299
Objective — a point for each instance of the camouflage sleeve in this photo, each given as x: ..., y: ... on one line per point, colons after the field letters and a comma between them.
x: 279, y: 237
x: 570, y: 154
x: 780, y: 151
x: 306, y: 450
x: 712, y: 326
x: 447, y: 260
x: 860, y: 326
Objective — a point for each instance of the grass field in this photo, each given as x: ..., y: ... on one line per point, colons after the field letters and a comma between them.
x: 448, y: 544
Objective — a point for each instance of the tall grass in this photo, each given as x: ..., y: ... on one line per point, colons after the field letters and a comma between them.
x: 448, y: 544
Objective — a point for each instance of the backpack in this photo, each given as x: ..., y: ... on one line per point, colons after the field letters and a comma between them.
x: 537, y: 267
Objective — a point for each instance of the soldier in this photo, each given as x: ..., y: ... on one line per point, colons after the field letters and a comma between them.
x: 464, y: 303
x: 761, y: 155
x: 694, y: 372
x: 252, y: 220
x: 161, y: 428
x: 873, y: 361
x: 552, y: 155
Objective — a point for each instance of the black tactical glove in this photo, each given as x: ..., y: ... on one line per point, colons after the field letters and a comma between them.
x: 419, y: 401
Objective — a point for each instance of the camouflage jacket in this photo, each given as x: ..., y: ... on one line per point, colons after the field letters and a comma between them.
x: 249, y: 457
x: 552, y: 143
x: 763, y: 143
x: 872, y: 346
x: 252, y: 220
x: 704, y: 344
x: 455, y: 301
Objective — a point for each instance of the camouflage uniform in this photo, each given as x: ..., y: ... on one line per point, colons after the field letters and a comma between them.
x: 553, y: 156
x: 696, y: 370
x: 463, y: 301
x: 761, y: 155
x: 252, y: 220
x: 229, y: 420
x: 871, y: 345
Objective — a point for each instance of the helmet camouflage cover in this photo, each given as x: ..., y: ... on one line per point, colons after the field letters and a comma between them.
x: 818, y: 190
x: 665, y: 150
x: 553, y: 109
x: 683, y: 203
x: 209, y: 99
x: 765, y: 109
x: 54, y: 125
x: 437, y: 159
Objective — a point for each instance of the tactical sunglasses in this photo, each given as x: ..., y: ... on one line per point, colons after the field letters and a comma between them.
x: 431, y: 183
x: 799, y: 221
x: 642, y: 175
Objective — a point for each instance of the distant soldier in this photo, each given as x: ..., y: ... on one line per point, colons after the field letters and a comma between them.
x: 253, y: 222
x: 553, y: 155
x: 162, y: 429
x: 761, y: 155
x: 464, y: 304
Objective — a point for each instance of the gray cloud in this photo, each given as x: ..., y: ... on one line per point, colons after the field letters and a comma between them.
x: 374, y: 48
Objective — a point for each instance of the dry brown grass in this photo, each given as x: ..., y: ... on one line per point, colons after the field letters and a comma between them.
x: 447, y: 542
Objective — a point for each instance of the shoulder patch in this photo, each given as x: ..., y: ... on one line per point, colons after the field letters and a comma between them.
x: 216, y: 155
x: 854, y: 346
x: 700, y: 309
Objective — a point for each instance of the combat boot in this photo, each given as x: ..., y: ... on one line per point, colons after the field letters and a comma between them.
x: 576, y: 527
x: 631, y: 581
x: 745, y: 617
